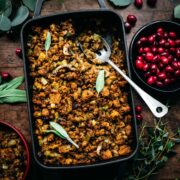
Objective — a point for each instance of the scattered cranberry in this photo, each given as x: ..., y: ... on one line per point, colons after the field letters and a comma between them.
x: 127, y: 27
x: 151, y: 3
x: 139, y: 117
x: 18, y: 52
x: 138, y: 3
x: 138, y: 109
x: 5, y: 76
x: 131, y: 19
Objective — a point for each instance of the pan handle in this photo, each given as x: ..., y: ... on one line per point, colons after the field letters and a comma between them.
x: 39, y: 4
x: 38, y: 7
x: 102, y: 4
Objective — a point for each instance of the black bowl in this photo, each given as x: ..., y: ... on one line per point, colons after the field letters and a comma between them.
x: 146, y: 30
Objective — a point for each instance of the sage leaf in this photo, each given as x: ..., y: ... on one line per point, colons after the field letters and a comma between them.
x: 100, y: 81
x: 121, y: 3
x: 5, y: 23
x: 59, y: 129
x: 55, y: 132
x: 2, y: 5
x: 30, y: 4
x: 13, y: 84
x: 2, y: 86
x: 177, y: 12
x: 12, y: 96
x: 0, y: 79
x: 8, y: 9
x: 21, y: 15
x: 47, y: 42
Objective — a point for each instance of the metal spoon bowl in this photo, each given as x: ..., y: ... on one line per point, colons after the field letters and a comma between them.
x: 157, y: 108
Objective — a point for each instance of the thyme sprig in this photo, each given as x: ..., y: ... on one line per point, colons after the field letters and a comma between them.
x: 155, y: 147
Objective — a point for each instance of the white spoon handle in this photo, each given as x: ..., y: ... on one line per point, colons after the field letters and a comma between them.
x: 157, y: 108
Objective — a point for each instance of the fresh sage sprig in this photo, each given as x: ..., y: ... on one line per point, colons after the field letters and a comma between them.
x: 9, y: 93
x: 61, y: 132
x: 100, y: 81
x: 47, y: 42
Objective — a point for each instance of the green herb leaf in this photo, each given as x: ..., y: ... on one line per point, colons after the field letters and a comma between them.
x: 30, y: 4
x: 100, y: 81
x: 21, y: 16
x: 2, y: 5
x: 47, y: 42
x: 13, y: 84
x: 59, y: 129
x: 55, y: 132
x: 12, y: 96
x: 121, y: 2
x: 0, y: 79
x: 8, y: 8
x: 177, y: 12
x: 5, y: 23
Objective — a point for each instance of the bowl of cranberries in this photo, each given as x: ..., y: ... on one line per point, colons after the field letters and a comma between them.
x: 155, y: 56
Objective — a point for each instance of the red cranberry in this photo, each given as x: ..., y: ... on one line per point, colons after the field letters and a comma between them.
x: 172, y: 80
x: 143, y: 40
x: 167, y: 81
x: 169, y: 69
x: 147, y: 49
x: 131, y: 19
x: 5, y: 76
x: 177, y: 42
x: 141, y: 50
x: 178, y: 63
x: 165, y: 54
x: 138, y: 109
x: 145, y: 67
x: 175, y: 65
x: 159, y: 84
x: 156, y: 58
x: 172, y: 35
x: 160, y: 30
x: 149, y: 56
x: 151, y: 39
x: 172, y: 50
x: 159, y: 36
x: 138, y: 3
x: 162, y: 42
x: 161, y: 65
x: 18, y: 52
x: 154, y: 49
x: 178, y: 53
x: 153, y: 68
x: 160, y: 50
x: 171, y: 43
x: 165, y: 35
x: 147, y: 74
x: 162, y: 76
x: 139, y: 43
x: 177, y: 73
x: 170, y: 58
x: 127, y: 27
x: 164, y: 60
x: 139, y: 117
x: 166, y: 45
x: 140, y: 58
x: 139, y: 64
x: 151, y: 3
x: 151, y: 80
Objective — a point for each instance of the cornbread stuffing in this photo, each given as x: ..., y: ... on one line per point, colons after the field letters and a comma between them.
x: 64, y: 91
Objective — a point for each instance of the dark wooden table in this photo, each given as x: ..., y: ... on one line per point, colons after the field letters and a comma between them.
x: 17, y: 114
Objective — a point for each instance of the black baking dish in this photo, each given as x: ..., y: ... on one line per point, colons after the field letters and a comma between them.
x: 79, y: 17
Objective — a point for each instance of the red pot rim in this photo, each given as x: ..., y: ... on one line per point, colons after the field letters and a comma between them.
x: 24, y: 142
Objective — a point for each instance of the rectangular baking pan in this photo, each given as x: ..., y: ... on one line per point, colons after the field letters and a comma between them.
x: 80, y: 18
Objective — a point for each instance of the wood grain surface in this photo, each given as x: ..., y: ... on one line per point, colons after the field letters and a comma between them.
x: 17, y: 114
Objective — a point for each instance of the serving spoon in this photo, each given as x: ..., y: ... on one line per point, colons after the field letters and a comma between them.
x: 157, y: 108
